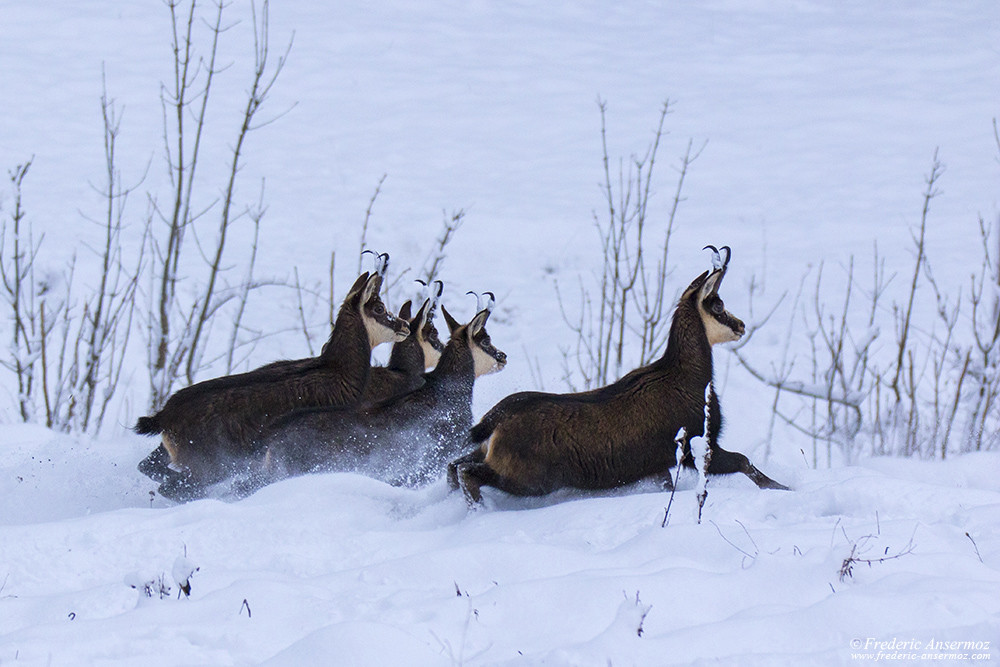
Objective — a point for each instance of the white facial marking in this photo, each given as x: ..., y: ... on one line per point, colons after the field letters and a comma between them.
x: 379, y: 333
x: 483, y: 363
x: 431, y: 355
x: 716, y: 331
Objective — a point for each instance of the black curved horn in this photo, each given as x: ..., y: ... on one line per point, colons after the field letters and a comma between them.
x: 481, y: 302
x: 435, y: 297
x: 729, y: 254
x: 489, y: 303
x: 716, y: 257
x: 382, y: 263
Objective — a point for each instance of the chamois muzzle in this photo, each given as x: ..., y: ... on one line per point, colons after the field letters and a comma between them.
x: 739, y: 329
x: 401, y: 329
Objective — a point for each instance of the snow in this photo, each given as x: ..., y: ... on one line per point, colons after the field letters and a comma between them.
x: 343, y: 569
x: 821, y: 120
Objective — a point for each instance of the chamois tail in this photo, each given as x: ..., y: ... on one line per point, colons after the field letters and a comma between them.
x: 482, y: 431
x: 148, y: 426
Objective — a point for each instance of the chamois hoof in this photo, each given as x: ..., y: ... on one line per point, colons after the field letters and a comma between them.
x: 777, y: 486
x: 474, y: 505
x: 764, y: 482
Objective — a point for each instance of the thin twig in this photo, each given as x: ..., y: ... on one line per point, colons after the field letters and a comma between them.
x: 975, y: 546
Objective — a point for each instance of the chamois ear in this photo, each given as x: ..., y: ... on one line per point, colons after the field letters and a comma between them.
x: 453, y: 324
x: 371, y: 288
x: 420, y: 319
x: 358, y: 284
x: 711, y: 284
x: 404, y: 311
x: 478, y: 322
x: 695, y: 285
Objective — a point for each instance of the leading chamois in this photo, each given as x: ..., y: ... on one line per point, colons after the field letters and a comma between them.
x: 407, y: 440
x: 210, y: 430
x: 533, y: 443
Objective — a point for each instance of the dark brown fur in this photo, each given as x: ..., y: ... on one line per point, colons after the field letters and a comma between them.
x: 408, y: 361
x: 210, y: 430
x: 405, y: 440
x: 533, y: 443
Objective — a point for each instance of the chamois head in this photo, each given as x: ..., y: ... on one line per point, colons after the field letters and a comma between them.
x: 427, y: 333
x: 381, y: 325
x: 486, y: 358
x: 721, y: 326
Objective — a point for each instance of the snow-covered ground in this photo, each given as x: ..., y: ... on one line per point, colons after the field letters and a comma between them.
x: 340, y: 569
x: 821, y: 121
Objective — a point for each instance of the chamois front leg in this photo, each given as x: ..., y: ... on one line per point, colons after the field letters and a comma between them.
x: 763, y: 481
x: 724, y: 463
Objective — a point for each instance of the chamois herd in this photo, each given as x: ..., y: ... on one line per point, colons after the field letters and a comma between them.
x: 410, y: 422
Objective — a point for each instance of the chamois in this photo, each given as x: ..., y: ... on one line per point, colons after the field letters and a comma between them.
x: 210, y: 430
x: 410, y: 357
x: 533, y: 443
x: 407, y: 440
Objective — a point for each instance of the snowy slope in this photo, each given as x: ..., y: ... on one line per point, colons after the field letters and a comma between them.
x: 340, y: 569
x: 821, y: 121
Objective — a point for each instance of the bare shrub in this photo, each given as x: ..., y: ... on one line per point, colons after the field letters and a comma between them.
x: 69, y: 342
x: 929, y: 388
x: 862, y: 547
x: 629, y: 307
x: 314, y: 296
x: 17, y: 267
x: 179, y: 324
x: 69, y: 337
x: 932, y: 391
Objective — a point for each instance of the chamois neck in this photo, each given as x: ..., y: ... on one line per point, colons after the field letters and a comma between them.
x: 406, y: 356
x: 348, y: 349
x: 688, y: 350
x: 456, y: 365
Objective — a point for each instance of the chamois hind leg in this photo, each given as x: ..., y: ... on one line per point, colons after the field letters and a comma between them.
x: 181, y: 487
x: 473, y: 475
x: 470, y: 476
x: 475, y: 456
x: 724, y: 462
x: 156, y: 466
x: 253, y: 479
